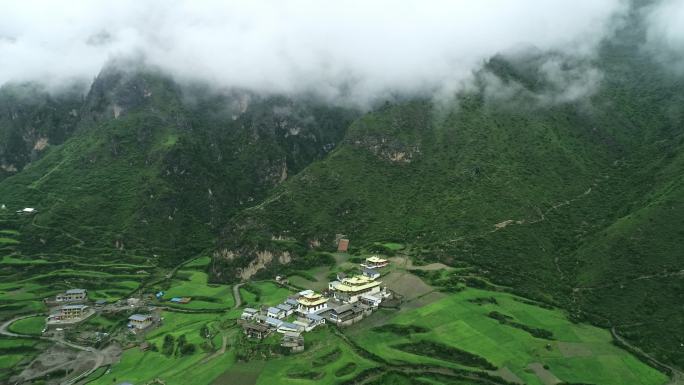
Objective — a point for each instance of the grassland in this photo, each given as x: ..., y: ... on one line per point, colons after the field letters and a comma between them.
x: 191, y: 283
x: 265, y: 292
x: 326, y: 361
x: 15, y: 352
x: 31, y: 325
x: 137, y: 366
x: 578, y: 353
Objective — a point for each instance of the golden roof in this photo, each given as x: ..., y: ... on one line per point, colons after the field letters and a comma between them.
x: 376, y: 259
x: 356, y: 283
x: 312, y: 299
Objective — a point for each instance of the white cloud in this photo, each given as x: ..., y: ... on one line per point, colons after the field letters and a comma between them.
x: 665, y: 37
x: 357, y: 50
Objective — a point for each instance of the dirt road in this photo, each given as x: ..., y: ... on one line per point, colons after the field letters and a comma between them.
x: 98, y: 356
x: 236, y: 295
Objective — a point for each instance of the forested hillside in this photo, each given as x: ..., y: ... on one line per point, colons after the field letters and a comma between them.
x: 575, y: 203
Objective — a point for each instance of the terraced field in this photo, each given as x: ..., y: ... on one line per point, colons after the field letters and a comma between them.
x: 192, y: 283
x: 468, y: 322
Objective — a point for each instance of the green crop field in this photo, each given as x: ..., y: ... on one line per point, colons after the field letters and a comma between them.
x: 267, y: 293
x: 326, y: 361
x: 191, y: 283
x: 31, y: 325
x: 137, y: 366
x: 576, y: 353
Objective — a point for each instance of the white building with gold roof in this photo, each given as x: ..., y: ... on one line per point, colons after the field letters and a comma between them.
x: 375, y: 262
x: 310, y: 303
x: 350, y: 290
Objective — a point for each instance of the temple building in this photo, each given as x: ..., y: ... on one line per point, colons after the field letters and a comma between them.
x: 375, y: 262
x: 349, y: 290
x: 311, y: 302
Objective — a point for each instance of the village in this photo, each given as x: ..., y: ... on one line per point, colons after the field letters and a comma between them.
x: 346, y: 301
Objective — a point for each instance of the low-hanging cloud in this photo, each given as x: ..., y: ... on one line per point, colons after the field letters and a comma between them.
x: 352, y: 50
x: 665, y: 35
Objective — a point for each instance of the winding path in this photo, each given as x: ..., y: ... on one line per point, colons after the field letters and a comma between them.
x: 676, y: 378
x: 98, y: 356
x: 236, y: 295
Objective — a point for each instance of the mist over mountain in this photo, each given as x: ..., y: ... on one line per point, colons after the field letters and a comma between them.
x: 523, y: 160
x: 349, y: 52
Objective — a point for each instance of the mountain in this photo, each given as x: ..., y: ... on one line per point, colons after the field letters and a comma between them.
x: 575, y: 203
x: 152, y: 169
x: 32, y: 119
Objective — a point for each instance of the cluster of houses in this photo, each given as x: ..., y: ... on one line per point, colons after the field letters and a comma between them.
x: 71, y: 307
x: 347, y: 301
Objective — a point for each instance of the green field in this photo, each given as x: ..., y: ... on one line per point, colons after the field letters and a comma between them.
x: 578, y: 353
x: 266, y: 292
x: 198, y: 263
x: 191, y: 283
x: 138, y: 367
x: 8, y: 241
x: 31, y: 325
x: 323, y: 362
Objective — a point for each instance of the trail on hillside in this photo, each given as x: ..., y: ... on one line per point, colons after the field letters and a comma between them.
x: 98, y: 356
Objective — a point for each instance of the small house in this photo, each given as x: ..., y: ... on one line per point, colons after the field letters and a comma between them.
x: 69, y: 312
x: 292, y: 302
x: 139, y: 321
x: 371, y: 273
x: 268, y: 321
x: 310, y: 321
x: 347, y: 314
x: 293, y: 341
x: 370, y: 300
x: 288, y: 309
x: 181, y: 300
x: 254, y: 330
x: 72, y: 295
x: 275, y: 312
x: 249, y: 313
x: 343, y: 245
x: 27, y: 210
x: 285, y: 327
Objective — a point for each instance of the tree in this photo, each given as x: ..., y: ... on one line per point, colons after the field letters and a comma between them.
x: 167, y: 347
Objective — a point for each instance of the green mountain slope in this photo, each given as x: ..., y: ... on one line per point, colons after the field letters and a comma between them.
x: 154, y: 170
x: 577, y: 204
x: 31, y: 119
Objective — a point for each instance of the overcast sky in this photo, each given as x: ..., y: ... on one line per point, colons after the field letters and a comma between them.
x: 365, y: 48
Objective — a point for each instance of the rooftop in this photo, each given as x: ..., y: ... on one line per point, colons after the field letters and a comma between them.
x: 284, y: 306
x: 68, y: 307
x: 354, y: 284
x: 312, y: 299
x: 314, y: 317
x: 289, y: 325
x: 273, y: 321
x: 375, y: 259
x: 256, y: 327
x: 250, y: 310
x: 75, y: 291
x: 139, y: 317
x: 274, y: 310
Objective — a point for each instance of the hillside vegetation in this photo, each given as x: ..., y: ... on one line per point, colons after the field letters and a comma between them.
x: 579, y: 204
